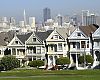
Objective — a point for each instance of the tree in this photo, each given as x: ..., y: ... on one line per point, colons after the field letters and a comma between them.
x: 87, y: 58
x: 36, y: 63
x: 62, y: 61
x: 10, y: 62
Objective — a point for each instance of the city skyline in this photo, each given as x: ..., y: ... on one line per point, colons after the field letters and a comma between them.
x: 35, y: 8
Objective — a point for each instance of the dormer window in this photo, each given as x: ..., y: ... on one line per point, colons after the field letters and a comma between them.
x: 34, y: 39
x: 78, y: 34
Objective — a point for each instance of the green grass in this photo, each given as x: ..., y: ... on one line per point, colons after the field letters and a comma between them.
x: 50, y: 75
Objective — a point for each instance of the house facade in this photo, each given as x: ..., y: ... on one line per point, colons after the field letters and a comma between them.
x: 80, y: 43
x: 96, y: 46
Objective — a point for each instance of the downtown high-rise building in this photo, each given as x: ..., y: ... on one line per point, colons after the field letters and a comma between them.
x: 46, y: 14
x: 85, y: 13
x: 88, y: 18
x: 59, y: 20
x: 32, y: 21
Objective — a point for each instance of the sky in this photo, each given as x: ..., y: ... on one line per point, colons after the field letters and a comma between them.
x: 34, y: 8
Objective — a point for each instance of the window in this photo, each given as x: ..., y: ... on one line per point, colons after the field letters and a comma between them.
x: 78, y: 45
x: 82, y: 44
x: 87, y: 44
x: 78, y: 34
x: 60, y: 46
x: 13, y: 51
x: 16, y: 42
x: 97, y: 43
x: 0, y: 51
x: 60, y: 37
x: 52, y: 38
x: 38, y: 57
x: 34, y: 39
x: 38, y: 50
x: 34, y: 57
x: 56, y: 37
x: 30, y: 58
x: 74, y: 44
x: 43, y: 49
x: 51, y: 47
x: 34, y: 49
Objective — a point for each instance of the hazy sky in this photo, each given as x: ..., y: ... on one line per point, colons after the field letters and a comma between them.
x: 34, y: 7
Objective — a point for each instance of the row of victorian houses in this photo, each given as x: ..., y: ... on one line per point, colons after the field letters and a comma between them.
x: 49, y: 45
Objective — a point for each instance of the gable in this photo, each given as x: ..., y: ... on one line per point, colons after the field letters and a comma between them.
x: 15, y: 42
x: 55, y: 36
x: 33, y: 39
x: 78, y: 34
x: 96, y: 33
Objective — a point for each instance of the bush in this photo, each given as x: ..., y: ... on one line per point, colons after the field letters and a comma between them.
x: 88, y: 59
x: 10, y: 62
x: 36, y: 63
x: 62, y: 61
x: 81, y: 59
x: 1, y: 67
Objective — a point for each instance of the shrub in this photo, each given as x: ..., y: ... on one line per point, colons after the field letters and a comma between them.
x: 62, y: 61
x: 36, y: 63
x: 10, y: 62
x: 88, y: 59
x: 1, y: 67
x: 81, y: 59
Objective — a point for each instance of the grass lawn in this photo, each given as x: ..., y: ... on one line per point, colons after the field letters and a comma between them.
x: 50, y: 75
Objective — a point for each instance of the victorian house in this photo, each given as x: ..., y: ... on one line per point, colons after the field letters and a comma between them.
x: 80, y: 43
x: 96, y: 47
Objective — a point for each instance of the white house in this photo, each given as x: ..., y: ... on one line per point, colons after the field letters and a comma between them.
x: 96, y: 47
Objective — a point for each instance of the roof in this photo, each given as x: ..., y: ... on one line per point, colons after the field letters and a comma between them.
x: 6, y: 37
x: 24, y: 37
x: 64, y: 32
x: 88, y: 29
x: 43, y: 35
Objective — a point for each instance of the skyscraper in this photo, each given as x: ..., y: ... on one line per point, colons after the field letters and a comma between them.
x: 25, y: 22
x: 59, y: 20
x: 91, y: 19
x: 88, y: 18
x: 32, y: 21
x: 85, y: 13
x: 46, y: 14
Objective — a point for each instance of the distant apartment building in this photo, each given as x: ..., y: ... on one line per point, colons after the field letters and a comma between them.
x: 46, y: 14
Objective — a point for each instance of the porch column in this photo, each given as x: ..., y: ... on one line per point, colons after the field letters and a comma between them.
x: 11, y: 51
x: 41, y: 50
x: 63, y: 46
x: 48, y: 61
x: 76, y: 61
x: 71, y: 59
x: 16, y: 52
x: 32, y: 58
x: 54, y: 60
